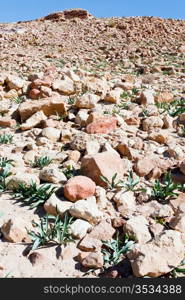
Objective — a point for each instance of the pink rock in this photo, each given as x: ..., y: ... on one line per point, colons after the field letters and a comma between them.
x: 144, y: 166
x: 79, y: 187
x: 133, y: 121
x: 37, y: 83
x: 103, y: 125
x: 93, y: 260
x: 7, y: 122
x: 34, y: 94
x: 105, y: 164
x: 102, y: 231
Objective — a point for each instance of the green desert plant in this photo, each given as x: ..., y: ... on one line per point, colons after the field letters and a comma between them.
x: 51, y: 229
x: 125, y: 95
x: 6, y: 138
x: 131, y: 183
x: 4, y: 162
x: 33, y: 195
x: 178, y: 269
x: 124, y: 105
x: 145, y: 112
x: 166, y: 72
x: 135, y: 91
x: 114, y: 249
x: 110, y: 184
x: 4, y: 173
x: 71, y: 101
x: 70, y: 172
x: 7, y: 275
x: 18, y: 100
x: 163, y: 191
x: 160, y: 220
x: 173, y: 108
x: 41, y: 162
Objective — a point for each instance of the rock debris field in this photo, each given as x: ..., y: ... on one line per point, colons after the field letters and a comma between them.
x: 92, y: 147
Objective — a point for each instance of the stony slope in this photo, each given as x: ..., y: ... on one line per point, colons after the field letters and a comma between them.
x: 95, y: 108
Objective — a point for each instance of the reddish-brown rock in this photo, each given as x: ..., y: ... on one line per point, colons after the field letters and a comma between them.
x: 68, y: 14
x: 37, y: 83
x: 133, y: 121
x: 93, y: 260
x: 103, y: 125
x: 105, y: 164
x: 34, y: 94
x: 7, y: 122
x: 79, y: 187
x: 102, y: 231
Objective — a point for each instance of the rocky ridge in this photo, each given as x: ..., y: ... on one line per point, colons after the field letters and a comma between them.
x: 92, y: 117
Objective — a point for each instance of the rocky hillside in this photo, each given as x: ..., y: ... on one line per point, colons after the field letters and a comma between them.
x: 92, y: 147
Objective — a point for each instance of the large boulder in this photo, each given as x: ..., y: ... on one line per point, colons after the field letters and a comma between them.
x: 158, y: 257
x: 64, y: 86
x: 49, y: 106
x: 87, y: 100
x: 87, y: 210
x: 52, y: 134
x: 138, y: 228
x: 13, y: 181
x: 34, y: 120
x: 76, y: 13
x: 7, y: 122
x: 14, y: 82
x: 93, y: 260
x: 54, y: 206
x: 14, y: 231
x: 102, y: 231
x: 104, y: 125
x: 79, y: 187
x: 79, y: 228
x: 105, y: 164
x: 125, y: 201
x: 68, y: 14
x: 52, y: 174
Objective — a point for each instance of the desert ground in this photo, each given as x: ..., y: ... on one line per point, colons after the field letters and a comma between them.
x: 92, y: 147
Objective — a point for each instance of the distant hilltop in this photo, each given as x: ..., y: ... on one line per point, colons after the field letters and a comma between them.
x: 68, y: 14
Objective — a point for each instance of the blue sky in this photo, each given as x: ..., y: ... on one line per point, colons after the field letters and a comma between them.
x: 18, y: 10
